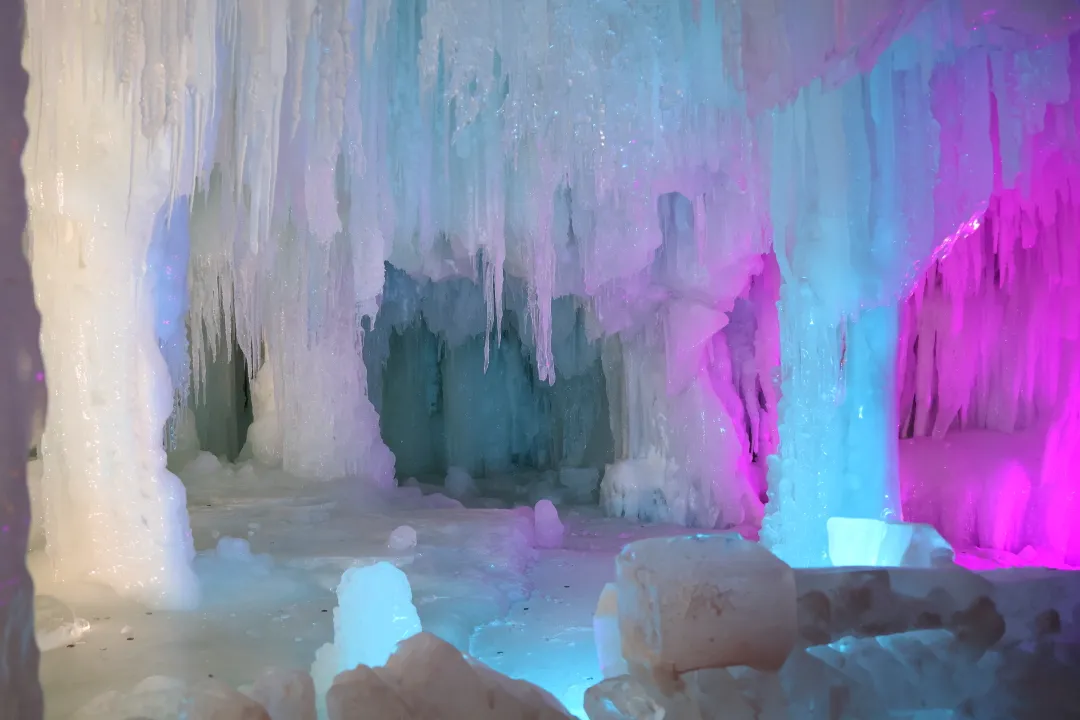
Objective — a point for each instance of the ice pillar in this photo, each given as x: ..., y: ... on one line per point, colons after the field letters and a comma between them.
x: 838, y: 434
x: 100, y: 186
x: 872, y: 481
x: 804, y: 474
x: 21, y: 390
x: 325, y: 420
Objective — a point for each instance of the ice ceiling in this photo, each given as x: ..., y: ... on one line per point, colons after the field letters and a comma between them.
x: 758, y: 217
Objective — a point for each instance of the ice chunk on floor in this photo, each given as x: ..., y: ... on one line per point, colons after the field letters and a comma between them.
x: 55, y: 624
x: 606, y: 633
x: 834, y: 604
x: 704, y: 601
x: 918, y: 670
x: 622, y: 698
x: 549, y: 528
x: 428, y: 679
x: 700, y: 695
x: 162, y: 698
x: 285, y: 694
x: 867, y: 542
x: 402, y: 538
x: 459, y: 483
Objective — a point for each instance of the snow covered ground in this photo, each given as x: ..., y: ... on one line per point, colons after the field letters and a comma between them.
x: 478, y: 582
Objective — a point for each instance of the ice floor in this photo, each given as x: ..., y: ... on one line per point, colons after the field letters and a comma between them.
x: 477, y: 580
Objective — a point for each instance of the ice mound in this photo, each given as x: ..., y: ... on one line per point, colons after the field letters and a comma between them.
x: 285, y: 694
x: 655, y: 489
x: 402, y: 538
x: 863, y: 542
x: 55, y: 624
x: 231, y: 558
x: 549, y: 528
x: 375, y: 612
x: 459, y: 484
x: 581, y: 484
x: 428, y: 679
x: 704, y: 601
x: 162, y: 698
x: 871, y: 643
x: 204, y: 463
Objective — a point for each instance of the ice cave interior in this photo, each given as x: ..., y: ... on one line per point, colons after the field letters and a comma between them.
x: 608, y: 359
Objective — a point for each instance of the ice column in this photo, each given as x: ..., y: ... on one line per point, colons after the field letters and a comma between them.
x: 21, y: 390
x: 871, y: 480
x: 100, y: 184
x: 853, y: 210
x: 802, y: 487
x: 328, y: 425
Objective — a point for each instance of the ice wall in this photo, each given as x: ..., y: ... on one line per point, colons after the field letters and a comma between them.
x: 22, y: 390
x: 988, y: 342
x: 989, y: 337
x: 102, y: 163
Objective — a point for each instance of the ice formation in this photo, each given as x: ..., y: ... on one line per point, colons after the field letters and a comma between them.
x: 549, y: 528
x: 103, y: 258
x: 676, y: 241
x: 402, y: 538
x: 375, y: 613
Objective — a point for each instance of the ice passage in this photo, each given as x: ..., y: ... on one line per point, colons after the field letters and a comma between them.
x: 617, y: 359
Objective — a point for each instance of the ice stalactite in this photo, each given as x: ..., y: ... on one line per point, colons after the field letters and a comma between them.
x: 112, y: 148
x: 989, y: 342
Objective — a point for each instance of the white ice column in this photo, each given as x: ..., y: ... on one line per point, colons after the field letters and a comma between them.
x: 21, y: 390
x: 805, y: 486
x: 872, y: 481
x: 328, y: 426
x: 98, y: 188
